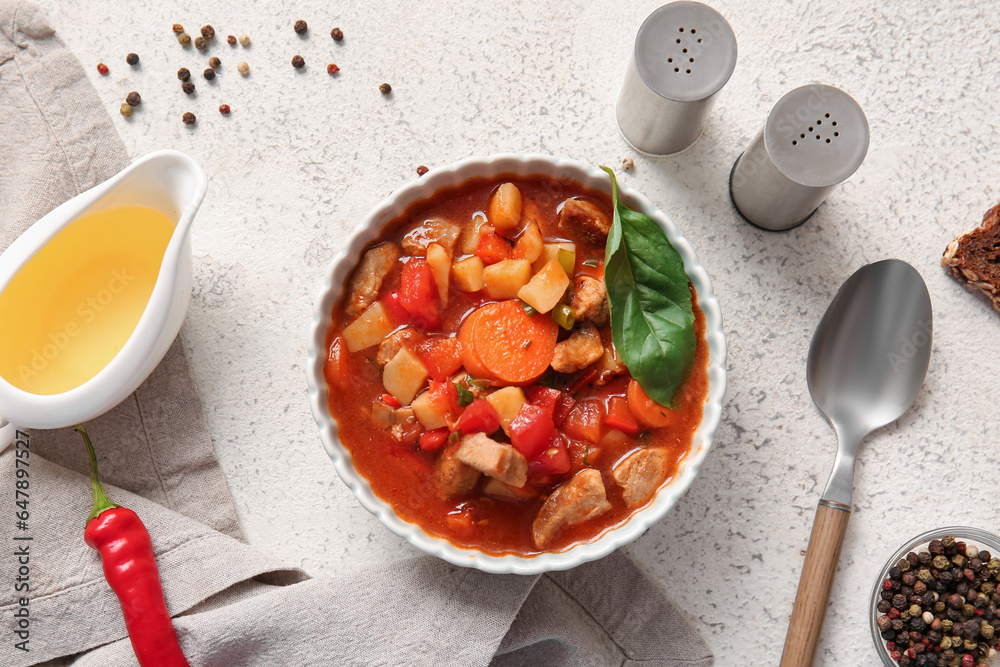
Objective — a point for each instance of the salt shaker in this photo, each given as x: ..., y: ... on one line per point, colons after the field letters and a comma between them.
x: 684, y: 54
x: 814, y: 138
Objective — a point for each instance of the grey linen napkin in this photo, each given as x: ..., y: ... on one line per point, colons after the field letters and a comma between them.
x: 232, y: 605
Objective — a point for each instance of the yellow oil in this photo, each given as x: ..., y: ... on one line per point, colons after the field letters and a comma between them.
x: 72, y: 307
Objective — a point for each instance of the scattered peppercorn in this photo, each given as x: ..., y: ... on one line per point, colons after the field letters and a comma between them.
x: 102, y: 68
x: 214, y: 62
x: 298, y: 62
x: 209, y: 73
x: 184, y: 38
x: 243, y: 68
x: 178, y: 28
x: 245, y: 39
x: 627, y: 165
x: 231, y: 39
x: 337, y: 34
x: 332, y: 69
x: 207, y: 31
x: 421, y: 170
x: 183, y: 74
x: 385, y: 88
x: 125, y: 109
x: 300, y: 26
x: 188, y: 118
x: 224, y: 109
x: 187, y: 87
x: 200, y: 42
x: 947, y: 613
x: 133, y: 99
x: 132, y: 59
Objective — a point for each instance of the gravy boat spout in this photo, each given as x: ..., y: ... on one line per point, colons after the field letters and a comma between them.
x: 166, y: 188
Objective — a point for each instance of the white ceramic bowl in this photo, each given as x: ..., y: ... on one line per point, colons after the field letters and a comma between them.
x: 344, y: 262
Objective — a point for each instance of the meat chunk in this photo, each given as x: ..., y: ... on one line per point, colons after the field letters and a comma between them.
x: 577, y: 500
x: 495, y: 459
x: 452, y: 477
x: 578, y: 351
x: 443, y: 232
x: 367, y: 280
x: 393, y: 343
x: 641, y: 474
x: 580, y: 218
x: 590, y: 300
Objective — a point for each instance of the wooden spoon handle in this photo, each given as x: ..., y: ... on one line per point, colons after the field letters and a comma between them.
x: 815, y: 583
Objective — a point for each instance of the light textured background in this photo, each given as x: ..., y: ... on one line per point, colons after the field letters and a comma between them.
x: 304, y: 155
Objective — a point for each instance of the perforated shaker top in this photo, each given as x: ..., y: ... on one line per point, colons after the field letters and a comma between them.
x: 685, y: 51
x: 817, y: 135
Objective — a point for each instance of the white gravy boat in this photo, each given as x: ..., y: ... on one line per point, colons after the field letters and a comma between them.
x: 166, y: 181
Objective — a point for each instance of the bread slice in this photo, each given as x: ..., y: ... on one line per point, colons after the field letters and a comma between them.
x: 974, y: 257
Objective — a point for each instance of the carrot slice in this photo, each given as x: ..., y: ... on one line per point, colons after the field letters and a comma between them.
x: 646, y: 410
x: 470, y: 359
x: 512, y: 346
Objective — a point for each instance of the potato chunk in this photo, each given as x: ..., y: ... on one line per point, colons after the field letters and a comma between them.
x: 440, y: 263
x: 507, y: 402
x: 504, y: 279
x: 529, y: 244
x: 545, y: 288
x: 550, y: 251
x: 505, y: 207
x: 404, y: 376
x: 577, y: 500
x: 468, y: 274
x: 370, y: 328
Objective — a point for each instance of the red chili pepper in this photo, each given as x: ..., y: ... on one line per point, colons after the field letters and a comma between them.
x: 130, y: 568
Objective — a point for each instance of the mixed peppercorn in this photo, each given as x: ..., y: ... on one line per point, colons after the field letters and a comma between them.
x: 940, y: 607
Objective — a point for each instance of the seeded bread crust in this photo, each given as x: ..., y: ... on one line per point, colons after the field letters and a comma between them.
x: 974, y: 257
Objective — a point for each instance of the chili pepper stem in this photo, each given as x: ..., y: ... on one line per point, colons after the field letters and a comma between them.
x: 101, y: 502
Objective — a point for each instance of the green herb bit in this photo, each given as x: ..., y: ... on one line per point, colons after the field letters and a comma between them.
x: 586, y: 453
x: 649, y: 295
x: 465, y: 397
x: 592, y: 263
x: 564, y: 316
x: 454, y: 437
x: 528, y: 308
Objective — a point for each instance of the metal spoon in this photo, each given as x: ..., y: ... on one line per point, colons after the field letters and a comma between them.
x: 867, y: 361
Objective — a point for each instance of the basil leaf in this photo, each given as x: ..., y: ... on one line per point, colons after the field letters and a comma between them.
x: 652, y: 318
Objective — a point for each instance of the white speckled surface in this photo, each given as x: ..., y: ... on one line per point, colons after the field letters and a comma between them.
x: 304, y: 155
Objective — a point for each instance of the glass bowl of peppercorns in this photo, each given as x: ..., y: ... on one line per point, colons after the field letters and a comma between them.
x: 936, y: 602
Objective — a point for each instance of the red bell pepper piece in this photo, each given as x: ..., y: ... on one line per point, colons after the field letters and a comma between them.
x: 493, y: 248
x: 478, y: 417
x: 584, y: 422
x: 620, y: 416
x: 444, y: 396
x: 130, y: 568
x: 544, y: 397
x: 564, y: 406
x: 431, y: 441
x: 391, y: 401
x: 531, y: 430
x: 554, y: 460
x: 394, y: 307
x: 442, y: 356
x: 336, y: 370
x: 418, y: 294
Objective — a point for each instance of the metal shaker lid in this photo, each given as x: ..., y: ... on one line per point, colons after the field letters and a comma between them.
x: 817, y: 135
x: 685, y: 51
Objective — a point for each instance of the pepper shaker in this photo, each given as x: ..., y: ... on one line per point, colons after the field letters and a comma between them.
x: 684, y: 54
x: 814, y: 139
